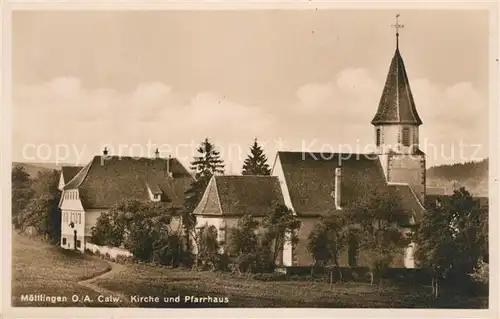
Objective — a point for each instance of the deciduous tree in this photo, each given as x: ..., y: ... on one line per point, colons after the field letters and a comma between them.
x: 328, y: 239
x: 42, y: 211
x: 280, y: 227
x: 21, y: 192
x: 376, y: 221
x: 451, y: 237
x: 143, y: 228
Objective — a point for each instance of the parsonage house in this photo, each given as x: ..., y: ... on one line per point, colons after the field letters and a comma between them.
x: 315, y: 184
x: 106, y: 180
x: 67, y: 174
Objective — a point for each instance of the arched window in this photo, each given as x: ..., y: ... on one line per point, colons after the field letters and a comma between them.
x: 406, y: 136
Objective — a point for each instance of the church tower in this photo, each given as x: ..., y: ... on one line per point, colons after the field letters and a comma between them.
x: 396, y: 126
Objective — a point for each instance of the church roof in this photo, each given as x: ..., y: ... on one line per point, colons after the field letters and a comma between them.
x: 105, y: 181
x: 68, y: 172
x: 396, y: 104
x: 310, y: 180
x: 240, y: 195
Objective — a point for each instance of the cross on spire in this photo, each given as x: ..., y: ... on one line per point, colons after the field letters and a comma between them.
x: 397, y: 26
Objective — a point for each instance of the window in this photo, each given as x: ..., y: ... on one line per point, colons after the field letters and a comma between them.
x: 78, y: 243
x: 64, y: 241
x: 79, y: 218
x: 378, y: 137
x: 222, y: 235
x: 406, y: 136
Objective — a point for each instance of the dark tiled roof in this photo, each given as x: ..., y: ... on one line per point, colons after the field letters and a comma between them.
x: 239, y: 195
x: 69, y: 172
x: 396, y: 104
x: 105, y: 181
x: 409, y: 201
x: 310, y: 178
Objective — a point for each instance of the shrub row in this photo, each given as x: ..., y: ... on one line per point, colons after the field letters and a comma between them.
x: 120, y: 259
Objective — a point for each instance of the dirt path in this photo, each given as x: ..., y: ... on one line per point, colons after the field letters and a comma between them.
x: 90, y: 283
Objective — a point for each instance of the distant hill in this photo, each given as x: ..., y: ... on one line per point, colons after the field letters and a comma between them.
x: 32, y: 169
x: 471, y: 175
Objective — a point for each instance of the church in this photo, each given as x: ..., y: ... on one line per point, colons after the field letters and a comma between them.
x: 315, y: 184
x: 311, y: 185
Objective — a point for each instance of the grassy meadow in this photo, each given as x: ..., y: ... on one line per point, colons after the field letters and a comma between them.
x: 42, y: 269
x: 242, y: 291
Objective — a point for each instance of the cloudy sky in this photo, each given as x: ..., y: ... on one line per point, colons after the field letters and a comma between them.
x: 296, y: 80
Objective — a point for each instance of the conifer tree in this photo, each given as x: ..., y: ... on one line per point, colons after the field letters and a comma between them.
x: 256, y: 162
x: 207, y: 164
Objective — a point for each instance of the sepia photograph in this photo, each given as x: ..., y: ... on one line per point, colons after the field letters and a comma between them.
x: 266, y: 158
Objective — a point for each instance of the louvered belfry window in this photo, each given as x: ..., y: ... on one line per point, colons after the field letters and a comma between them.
x: 378, y: 137
x: 406, y: 136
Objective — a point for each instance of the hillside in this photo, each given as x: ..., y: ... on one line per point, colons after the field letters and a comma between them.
x: 33, y: 168
x: 471, y: 175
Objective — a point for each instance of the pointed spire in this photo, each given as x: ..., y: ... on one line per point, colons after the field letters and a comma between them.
x: 396, y: 104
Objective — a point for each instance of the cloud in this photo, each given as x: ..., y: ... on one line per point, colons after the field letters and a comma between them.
x: 63, y: 112
x: 345, y: 106
x: 325, y: 117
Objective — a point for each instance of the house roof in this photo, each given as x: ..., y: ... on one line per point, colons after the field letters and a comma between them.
x: 239, y: 195
x: 396, y: 104
x: 310, y: 179
x: 105, y: 181
x: 409, y: 201
x: 68, y: 172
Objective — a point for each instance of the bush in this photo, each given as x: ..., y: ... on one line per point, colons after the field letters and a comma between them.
x: 257, y: 262
x: 187, y: 259
x: 480, y: 279
x: 481, y: 273
x: 222, y: 262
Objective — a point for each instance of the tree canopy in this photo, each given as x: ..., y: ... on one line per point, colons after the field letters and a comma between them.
x: 41, y: 211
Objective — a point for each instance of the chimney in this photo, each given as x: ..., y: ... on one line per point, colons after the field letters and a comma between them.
x: 169, y: 174
x: 338, y: 184
x: 104, y: 156
x: 157, y: 154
